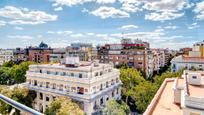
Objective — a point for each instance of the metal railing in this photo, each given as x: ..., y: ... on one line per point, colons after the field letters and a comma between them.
x: 19, y: 106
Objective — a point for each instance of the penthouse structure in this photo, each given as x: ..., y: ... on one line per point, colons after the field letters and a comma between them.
x: 179, y: 96
x: 91, y: 84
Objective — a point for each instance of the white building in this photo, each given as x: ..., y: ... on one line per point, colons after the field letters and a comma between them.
x: 180, y: 62
x: 6, y: 55
x: 89, y: 83
x: 179, y: 96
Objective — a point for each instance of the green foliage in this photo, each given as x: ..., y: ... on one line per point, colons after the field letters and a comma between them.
x: 18, y: 72
x: 138, y: 92
x: 21, y: 95
x: 8, y: 64
x: 13, y: 74
x: 143, y: 94
x: 116, y: 108
x: 63, y: 106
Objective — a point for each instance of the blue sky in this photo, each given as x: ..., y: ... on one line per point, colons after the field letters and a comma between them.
x: 164, y: 23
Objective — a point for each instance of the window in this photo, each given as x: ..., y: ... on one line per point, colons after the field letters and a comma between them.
x: 35, y: 83
x: 101, y: 101
x: 73, y: 89
x: 72, y: 74
x: 96, y: 74
x: 41, y: 96
x: 113, y: 94
x: 54, y: 86
x: 117, y: 91
x: 47, y: 84
x: 101, y: 87
x: 194, y: 77
x: 80, y: 75
x: 107, y: 84
x: 47, y: 98
x: 63, y: 73
x: 61, y: 87
x: 101, y: 73
x: 48, y: 72
x: 56, y: 73
x: 80, y: 90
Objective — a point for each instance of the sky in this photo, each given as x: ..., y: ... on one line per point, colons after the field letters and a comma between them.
x: 169, y: 24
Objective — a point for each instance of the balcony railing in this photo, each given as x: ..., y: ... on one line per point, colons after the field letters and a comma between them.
x: 19, y: 106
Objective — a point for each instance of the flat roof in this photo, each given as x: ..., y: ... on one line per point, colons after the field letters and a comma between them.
x: 196, y: 90
x: 165, y: 105
x: 84, y: 66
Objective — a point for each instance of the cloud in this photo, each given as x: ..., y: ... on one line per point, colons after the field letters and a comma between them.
x: 199, y: 10
x: 163, y: 16
x: 58, y: 9
x: 131, y: 5
x: 84, y: 10
x: 22, y: 22
x: 77, y: 35
x: 18, y: 28
x: 105, y: 1
x: 25, y: 16
x: 23, y: 37
x: 2, y: 23
x: 128, y: 27
x: 107, y: 12
x: 69, y: 2
x: 171, y: 27
x: 193, y: 26
x: 166, y: 5
x: 65, y: 33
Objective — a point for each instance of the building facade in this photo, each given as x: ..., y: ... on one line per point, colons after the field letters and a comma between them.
x: 20, y: 55
x: 6, y: 55
x: 135, y: 54
x: 40, y: 54
x: 195, y: 59
x: 91, y: 84
x: 58, y: 55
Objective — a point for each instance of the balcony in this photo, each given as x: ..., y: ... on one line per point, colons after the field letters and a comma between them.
x: 74, y: 95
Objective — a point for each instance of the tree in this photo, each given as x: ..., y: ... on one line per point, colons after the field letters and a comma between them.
x: 8, y: 64
x: 114, y: 107
x: 63, y: 106
x: 18, y: 72
x: 5, y: 76
x: 143, y: 94
x: 130, y: 78
x: 21, y: 95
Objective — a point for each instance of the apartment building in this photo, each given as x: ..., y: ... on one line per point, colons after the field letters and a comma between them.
x: 91, y: 84
x: 179, y: 96
x: 84, y: 51
x: 195, y: 59
x: 134, y: 53
x: 6, y: 55
x: 20, y: 55
x: 159, y: 58
x: 40, y: 54
x: 58, y: 55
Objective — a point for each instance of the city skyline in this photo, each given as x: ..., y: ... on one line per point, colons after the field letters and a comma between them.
x: 164, y: 24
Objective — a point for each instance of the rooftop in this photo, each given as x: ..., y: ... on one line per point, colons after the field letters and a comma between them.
x: 163, y: 102
x: 84, y: 66
x: 187, y: 59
